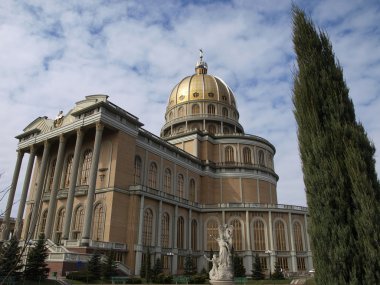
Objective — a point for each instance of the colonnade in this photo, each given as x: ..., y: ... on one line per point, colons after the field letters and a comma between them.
x: 40, y: 185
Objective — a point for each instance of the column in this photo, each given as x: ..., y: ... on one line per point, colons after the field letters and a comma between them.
x: 40, y: 187
x: 189, y: 230
x: 272, y: 253
x: 53, y: 195
x: 11, y: 196
x: 309, y: 253
x: 248, y: 231
x: 72, y: 185
x: 139, y: 247
x: 175, y: 251
x: 159, y: 225
x: 24, y: 194
x: 292, y: 250
x: 92, y: 185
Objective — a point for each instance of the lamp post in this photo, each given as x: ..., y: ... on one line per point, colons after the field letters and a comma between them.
x: 269, y: 252
x: 171, y: 254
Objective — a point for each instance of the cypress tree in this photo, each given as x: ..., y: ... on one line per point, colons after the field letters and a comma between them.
x: 257, y: 272
x: 109, y: 266
x: 239, y: 269
x: 36, y: 267
x: 10, y: 258
x: 342, y: 188
x: 277, y: 274
x: 95, y: 266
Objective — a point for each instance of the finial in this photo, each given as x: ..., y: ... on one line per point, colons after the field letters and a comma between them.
x: 201, y: 66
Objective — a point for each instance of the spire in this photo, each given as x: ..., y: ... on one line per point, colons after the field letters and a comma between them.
x: 201, y: 66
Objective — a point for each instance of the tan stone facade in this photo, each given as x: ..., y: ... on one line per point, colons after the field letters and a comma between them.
x: 99, y: 181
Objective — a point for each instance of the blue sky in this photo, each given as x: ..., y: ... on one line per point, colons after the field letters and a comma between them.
x: 53, y: 53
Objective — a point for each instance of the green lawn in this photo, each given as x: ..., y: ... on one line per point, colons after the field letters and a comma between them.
x: 46, y: 282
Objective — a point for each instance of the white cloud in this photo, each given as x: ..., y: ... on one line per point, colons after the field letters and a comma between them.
x: 53, y: 54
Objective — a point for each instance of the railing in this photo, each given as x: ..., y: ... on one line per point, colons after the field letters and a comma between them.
x: 144, y: 189
x: 123, y: 268
x: 52, y: 247
x: 108, y: 245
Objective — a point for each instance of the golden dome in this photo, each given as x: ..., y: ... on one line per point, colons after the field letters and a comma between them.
x: 203, y: 102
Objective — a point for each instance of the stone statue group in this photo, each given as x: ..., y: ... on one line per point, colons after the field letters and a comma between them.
x: 222, y: 264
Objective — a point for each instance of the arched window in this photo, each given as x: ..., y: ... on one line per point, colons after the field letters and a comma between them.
x: 237, y: 240
x: 258, y: 235
x: 180, y: 182
x: 298, y: 236
x: 261, y: 158
x: 194, y: 235
x: 165, y: 220
x: 147, y: 229
x: 211, y: 109
x: 59, y: 226
x: 192, y: 190
x: 212, y: 233
x: 99, y: 222
x: 180, y: 233
x: 168, y: 181
x: 86, y: 165
x: 280, y: 235
x: 51, y: 175
x: 247, y: 159
x: 226, y: 130
x: 180, y: 112
x: 229, y: 154
x: 43, y: 222
x: 211, y: 129
x: 69, y: 166
x: 137, y: 173
x: 225, y: 112
x: 78, y: 223
x: 195, y: 109
x: 152, y: 176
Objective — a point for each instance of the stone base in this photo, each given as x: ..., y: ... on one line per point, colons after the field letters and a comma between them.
x: 222, y: 282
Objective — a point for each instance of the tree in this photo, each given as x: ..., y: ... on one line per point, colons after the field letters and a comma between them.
x: 342, y: 188
x: 109, y: 266
x: 257, y: 272
x: 36, y: 267
x: 277, y: 274
x: 146, y: 268
x: 189, y: 266
x: 95, y: 266
x: 10, y: 258
x: 239, y: 269
x: 157, y: 269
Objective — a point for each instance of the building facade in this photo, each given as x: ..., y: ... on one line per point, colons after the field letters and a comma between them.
x: 97, y: 180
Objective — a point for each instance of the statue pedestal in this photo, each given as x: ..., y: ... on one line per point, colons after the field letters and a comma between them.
x: 222, y: 282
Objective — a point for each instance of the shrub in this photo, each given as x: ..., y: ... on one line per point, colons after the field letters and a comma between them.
x: 198, y: 279
x: 83, y: 276
x: 162, y: 278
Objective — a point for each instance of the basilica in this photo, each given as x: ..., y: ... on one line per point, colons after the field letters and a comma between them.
x: 96, y: 180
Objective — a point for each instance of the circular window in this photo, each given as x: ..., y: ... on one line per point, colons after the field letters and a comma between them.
x: 181, y: 97
x: 210, y: 94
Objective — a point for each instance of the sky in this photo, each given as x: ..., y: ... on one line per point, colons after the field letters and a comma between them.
x: 54, y: 53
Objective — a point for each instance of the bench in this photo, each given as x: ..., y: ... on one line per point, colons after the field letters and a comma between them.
x: 119, y: 280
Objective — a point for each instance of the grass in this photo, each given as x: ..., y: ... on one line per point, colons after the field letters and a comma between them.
x: 310, y: 281
x: 45, y: 282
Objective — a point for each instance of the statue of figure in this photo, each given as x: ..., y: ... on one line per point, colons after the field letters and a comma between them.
x: 214, y: 270
x: 222, y: 265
